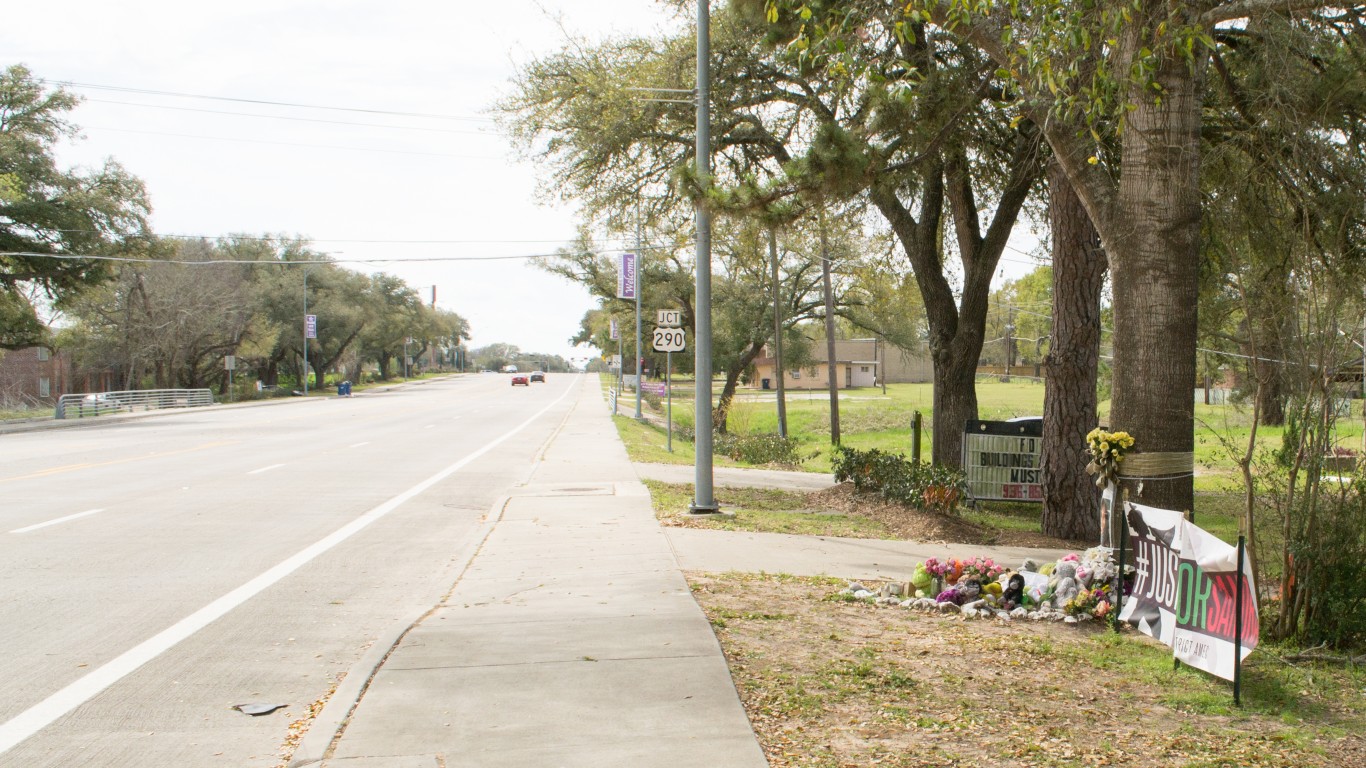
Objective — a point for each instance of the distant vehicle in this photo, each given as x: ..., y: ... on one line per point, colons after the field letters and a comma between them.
x: 538, y: 376
x: 520, y: 378
x: 486, y: 371
x: 509, y: 369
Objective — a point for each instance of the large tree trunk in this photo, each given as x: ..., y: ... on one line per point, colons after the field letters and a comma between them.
x: 1070, y: 498
x: 1155, y: 260
x: 733, y: 373
x: 957, y: 324
x: 955, y: 398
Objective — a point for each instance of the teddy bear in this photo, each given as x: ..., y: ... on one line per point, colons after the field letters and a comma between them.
x: 1064, y: 584
x: 1013, y: 596
x: 922, y: 581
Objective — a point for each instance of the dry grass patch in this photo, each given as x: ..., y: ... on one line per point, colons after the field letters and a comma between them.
x: 829, y: 682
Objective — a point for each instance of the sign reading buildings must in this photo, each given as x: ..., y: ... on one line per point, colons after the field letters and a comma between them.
x: 1001, y: 459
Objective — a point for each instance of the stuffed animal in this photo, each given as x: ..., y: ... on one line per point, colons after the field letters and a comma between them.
x: 1013, y: 597
x: 1064, y: 584
x: 965, y: 592
x: 922, y: 581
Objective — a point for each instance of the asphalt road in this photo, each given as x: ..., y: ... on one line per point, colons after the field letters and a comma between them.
x: 156, y: 572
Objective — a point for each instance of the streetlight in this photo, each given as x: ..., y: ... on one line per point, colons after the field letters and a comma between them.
x: 703, y: 500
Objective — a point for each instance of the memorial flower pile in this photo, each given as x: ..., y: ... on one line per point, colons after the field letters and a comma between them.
x: 1107, y: 451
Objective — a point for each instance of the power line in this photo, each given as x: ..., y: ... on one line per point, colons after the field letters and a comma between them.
x: 199, y: 262
x: 273, y: 238
x: 290, y: 117
x: 291, y: 144
x: 151, y: 92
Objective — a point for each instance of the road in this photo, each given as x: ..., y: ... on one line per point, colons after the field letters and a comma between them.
x: 157, y: 572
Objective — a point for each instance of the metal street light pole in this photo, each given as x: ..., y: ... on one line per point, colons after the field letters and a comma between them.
x: 703, y: 500
x: 304, y: 373
x: 640, y: 379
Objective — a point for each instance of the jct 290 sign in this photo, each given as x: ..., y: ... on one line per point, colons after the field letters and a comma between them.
x: 1001, y: 459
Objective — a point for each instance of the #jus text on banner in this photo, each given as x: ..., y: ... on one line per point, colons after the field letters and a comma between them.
x: 1184, y: 591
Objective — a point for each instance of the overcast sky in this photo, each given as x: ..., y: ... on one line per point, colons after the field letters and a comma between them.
x: 422, y: 188
x: 215, y: 167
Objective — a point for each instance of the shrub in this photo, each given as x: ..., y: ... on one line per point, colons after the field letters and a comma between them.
x: 763, y: 448
x: 890, y: 475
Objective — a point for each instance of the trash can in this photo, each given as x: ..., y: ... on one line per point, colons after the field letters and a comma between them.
x: 764, y: 384
x: 344, y: 389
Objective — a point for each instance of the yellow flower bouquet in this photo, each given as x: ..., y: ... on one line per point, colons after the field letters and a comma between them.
x: 1107, y: 451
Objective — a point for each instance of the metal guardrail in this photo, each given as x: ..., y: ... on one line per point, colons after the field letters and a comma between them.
x: 99, y: 403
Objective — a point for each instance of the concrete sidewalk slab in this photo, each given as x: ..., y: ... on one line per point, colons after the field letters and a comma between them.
x: 571, y: 639
x: 721, y: 551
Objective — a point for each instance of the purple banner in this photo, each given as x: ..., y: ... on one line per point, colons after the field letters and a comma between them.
x: 626, y: 277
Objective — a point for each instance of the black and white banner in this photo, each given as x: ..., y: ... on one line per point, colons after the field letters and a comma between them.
x: 1185, y: 590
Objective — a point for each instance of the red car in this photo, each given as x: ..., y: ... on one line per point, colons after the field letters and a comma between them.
x: 520, y: 378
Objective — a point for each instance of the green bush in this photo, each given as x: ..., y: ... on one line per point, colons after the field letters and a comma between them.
x: 1332, y: 558
x: 762, y: 448
x: 766, y: 448
x: 890, y: 475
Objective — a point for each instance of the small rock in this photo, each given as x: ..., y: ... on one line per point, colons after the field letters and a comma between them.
x: 891, y: 589
x: 888, y: 601
x: 863, y: 594
x: 907, y: 603
x: 1069, y: 620
x: 1019, y: 613
x: 949, y: 608
x: 856, y: 586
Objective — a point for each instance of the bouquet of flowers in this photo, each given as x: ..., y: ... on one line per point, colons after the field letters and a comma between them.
x: 1091, y: 602
x: 1107, y: 451
x: 940, y: 568
x: 984, y: 569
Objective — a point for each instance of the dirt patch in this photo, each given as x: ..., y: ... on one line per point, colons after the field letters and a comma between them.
x: 919, y: 525
x: 831, y: 683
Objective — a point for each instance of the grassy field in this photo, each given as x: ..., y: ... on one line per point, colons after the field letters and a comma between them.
x: 870, y: 419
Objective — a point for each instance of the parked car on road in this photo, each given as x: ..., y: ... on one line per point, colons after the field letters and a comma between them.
x: 538, y: 376
x: 520, y: 378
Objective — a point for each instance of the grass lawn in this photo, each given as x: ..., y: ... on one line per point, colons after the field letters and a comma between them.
x: 870, y: 419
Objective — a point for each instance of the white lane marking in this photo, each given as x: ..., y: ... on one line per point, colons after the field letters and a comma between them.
x: 42, y: 714
x: 55, y: 522
x: 357, y: 445
x: 265, y: 469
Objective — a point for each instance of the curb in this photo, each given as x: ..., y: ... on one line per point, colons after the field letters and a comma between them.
x: 329, y: 725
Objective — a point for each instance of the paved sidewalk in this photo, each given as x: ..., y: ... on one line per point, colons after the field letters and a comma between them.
x: 736, y: 477
x: 570, y: 640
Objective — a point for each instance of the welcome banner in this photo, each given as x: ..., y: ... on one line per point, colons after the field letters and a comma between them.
x: 1185, y: 591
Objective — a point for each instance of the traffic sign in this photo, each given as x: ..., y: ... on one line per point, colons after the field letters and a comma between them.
x: 669, y: 318
x: 670, y: 340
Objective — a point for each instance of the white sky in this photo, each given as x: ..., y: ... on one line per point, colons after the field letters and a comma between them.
x: 455, y: 181
x: 214, y: 174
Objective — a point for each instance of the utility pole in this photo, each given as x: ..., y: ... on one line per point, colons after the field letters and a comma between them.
x: 640, y: 379
x: 1009, y: 339
x: 704, y: 503
x: 778, y: 333
x: 830, y: 336
x: 304, y: 373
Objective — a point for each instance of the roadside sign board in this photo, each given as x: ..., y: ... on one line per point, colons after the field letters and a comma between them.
x: 229, y: 363
x: 669, y: 340
x: 1002, y: 461
x: 669, y: 318
x: 615, y: 331
x: 626, y: 276
x: 310, y: 326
